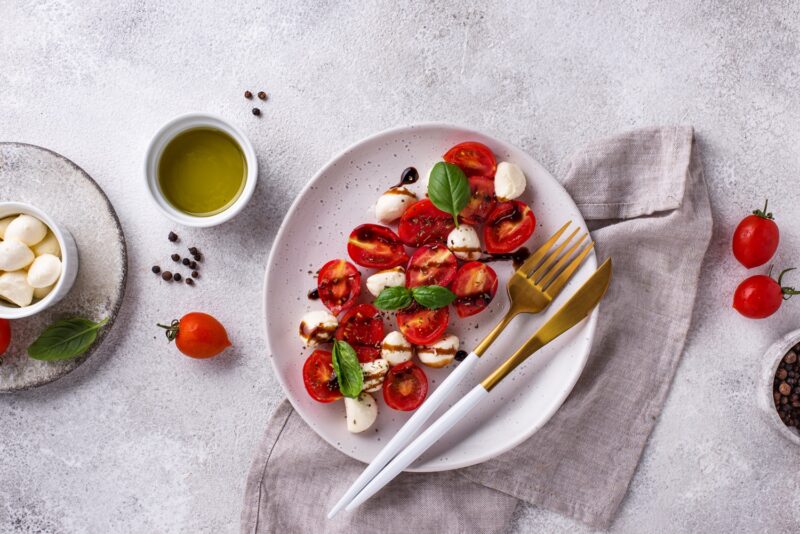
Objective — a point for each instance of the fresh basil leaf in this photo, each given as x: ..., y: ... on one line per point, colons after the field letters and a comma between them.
x: 433, y: 297
x: 393, y: 298
x: 65, y: 339
x: 348, y: 370
x: 448, y: 188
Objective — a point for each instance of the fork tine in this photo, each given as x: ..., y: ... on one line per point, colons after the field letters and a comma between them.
x: 541, y: 252
x: 559, y: 283
x: 545, y: 266
x: 552, y: 273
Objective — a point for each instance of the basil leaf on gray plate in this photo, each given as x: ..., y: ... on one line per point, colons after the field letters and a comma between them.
x: 348, y: 370
x: 65, y: 339
x: 393, y: 298
x: 433, y: 297
x: 448, y: 188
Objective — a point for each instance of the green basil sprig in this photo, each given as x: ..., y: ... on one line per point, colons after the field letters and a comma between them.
x: 432, y: 297
x: 65, y: 339
x: 448, y: 188
x: 348, y: 370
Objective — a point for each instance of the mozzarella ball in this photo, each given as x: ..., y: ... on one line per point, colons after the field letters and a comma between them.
x: 317, y: 327
x: 44, y: 271
x: 396, y: 349
x: 4, y: 224
x: 509, y: 181
x: 439, y: 354
x: 389, y: 278
x: 361, y: 412
x: 393, y: 203
x: 464, y: 243
x: 41, y: 292
x: 14, y: 255
x: 374, y: 373
x: 26, y: 229
x: 48, y: 245
x: 14, y: 287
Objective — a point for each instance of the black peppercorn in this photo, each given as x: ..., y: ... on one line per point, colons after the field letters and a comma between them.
x: 256, y: 112
x: 172, y: 236
x: 195, y: 274
x: 156, y: 269
x: 248, y: 95
x: 166, y: 275
x: 198, y: 257
x: 193, y: 265
x: 193, y: 250
x: 185, y: 261
x: 262, y: 95
x: 461, y: 355
x: 175, y: 257
x: 177, y: 277
x: 189, y: 281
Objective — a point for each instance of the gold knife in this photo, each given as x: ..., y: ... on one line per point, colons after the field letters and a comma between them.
x: 585, y: 299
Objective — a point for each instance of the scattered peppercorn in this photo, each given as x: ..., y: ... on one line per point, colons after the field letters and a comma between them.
x: 195, y: 274
x: 193, y: 265
x: 172, y: 236
x: 786, y: 391
x: 166, y: 276
x: 175, y: 257
x: 256, y: 112
x: 193, y: 251
x: 189, y: 281
x: 198, y: 257
x: 186, y: 261
x: 177, y: 277
x: 156, y: 269
x: 461, y: 355
x: 262, y: 95
x: 248, y: 95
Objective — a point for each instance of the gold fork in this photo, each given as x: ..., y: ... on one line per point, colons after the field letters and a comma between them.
x: 531, y: 289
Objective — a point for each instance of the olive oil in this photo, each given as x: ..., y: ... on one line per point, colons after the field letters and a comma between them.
x: 202, y: 171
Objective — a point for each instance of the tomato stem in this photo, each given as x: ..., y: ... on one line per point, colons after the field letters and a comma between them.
x: 788, y: 292
x: 171, y: 330
x: 764, y: 214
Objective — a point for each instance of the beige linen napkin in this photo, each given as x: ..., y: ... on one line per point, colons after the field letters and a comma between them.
x: 645, y: 194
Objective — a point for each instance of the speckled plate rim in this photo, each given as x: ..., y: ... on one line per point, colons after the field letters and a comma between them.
x: 590, y: 325
x: 120, y: 296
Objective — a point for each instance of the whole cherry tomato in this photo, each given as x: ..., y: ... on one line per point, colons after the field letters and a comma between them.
x: 198, y: 335
x: 756, y: 239
x: 5, y: 335
x: 760, y: 296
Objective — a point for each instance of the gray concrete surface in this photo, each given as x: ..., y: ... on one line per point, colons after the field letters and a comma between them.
x: 141, y: 439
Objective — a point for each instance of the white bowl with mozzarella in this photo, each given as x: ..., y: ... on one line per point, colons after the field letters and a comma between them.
x: 40, y: 258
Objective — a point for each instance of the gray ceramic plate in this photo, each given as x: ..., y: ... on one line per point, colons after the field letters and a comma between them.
x: 71, y: 197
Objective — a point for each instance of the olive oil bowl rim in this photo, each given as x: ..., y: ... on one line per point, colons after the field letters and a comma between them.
x: 165, y: 135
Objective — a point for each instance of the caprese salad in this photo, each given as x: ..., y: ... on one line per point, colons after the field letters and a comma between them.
x: 431, y: 259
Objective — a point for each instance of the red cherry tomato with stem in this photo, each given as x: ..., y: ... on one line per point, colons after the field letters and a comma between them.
x: 756, y: 238
x: 198, y: 335
x: 405, y: 387
x: 760, y: 296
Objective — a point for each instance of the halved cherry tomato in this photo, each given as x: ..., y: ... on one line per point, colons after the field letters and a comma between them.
x: 377, y: 247
x: 5, y: 335
x: 318, y: 377
x: 405, y: 387
x: 431, y: 265
x: 760, y: 296
x: 422, y: 326
x: 424, y: 223
x: 338, y: 284
x: 475, y: 286
x: 509, y: 225
x: 756, y: 239
x: 362, y: 327
x: 474, y: 158
x: 481, y: 200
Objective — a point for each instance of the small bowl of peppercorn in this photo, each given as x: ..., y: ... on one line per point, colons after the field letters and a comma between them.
x: 780, y: 385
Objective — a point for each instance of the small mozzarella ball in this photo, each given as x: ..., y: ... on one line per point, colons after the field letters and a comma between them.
x: 393, y: 203
x: 48, y: 245
x: 317, y: 327
x: 509, y: 181
x: 389, y: 278
x: 439, y: 354
x: 361, y: 412
x: 4, y: 224
x: 44, y: 271
x: 14, y: 255
x: 464, y: 243
x: 396, y: 349
x: 41, y: 292
x: 26, y: 229
x: 14, y: 287
x: 374, y: 373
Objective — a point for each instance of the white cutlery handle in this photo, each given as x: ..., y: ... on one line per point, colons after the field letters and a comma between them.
x: 407, y: 431
x: 438, y: 429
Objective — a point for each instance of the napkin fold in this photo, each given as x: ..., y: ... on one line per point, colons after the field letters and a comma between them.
x: 644, y: 194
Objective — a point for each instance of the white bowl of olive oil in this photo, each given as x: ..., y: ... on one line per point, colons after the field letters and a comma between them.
x: 200, y: 170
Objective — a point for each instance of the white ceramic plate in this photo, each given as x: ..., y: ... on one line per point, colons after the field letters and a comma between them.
x: 315, y: 230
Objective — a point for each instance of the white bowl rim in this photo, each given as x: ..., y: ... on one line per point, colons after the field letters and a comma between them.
x: 189, y: 121
x: 772, y: 359
x: 9, y: 312
x: 590, y: 325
